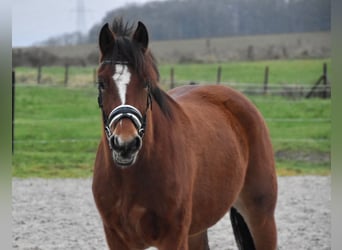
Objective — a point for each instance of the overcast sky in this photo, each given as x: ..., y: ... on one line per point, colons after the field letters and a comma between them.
x: 37, y: 20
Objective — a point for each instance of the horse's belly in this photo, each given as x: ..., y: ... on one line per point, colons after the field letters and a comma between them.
x: 218, y: 183
x: 208, y: 210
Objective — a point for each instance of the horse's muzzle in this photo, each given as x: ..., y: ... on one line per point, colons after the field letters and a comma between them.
x: 125, y: 152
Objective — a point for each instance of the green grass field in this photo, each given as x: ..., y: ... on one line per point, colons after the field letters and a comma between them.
x: 57, y: 131
x: 57, y: 128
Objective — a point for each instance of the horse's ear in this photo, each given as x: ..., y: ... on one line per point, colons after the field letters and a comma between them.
x: 106, y: 39
x: 141, y: 36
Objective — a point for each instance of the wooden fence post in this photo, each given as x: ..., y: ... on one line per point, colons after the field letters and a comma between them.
x: 39, y: 75
x: 218, y: 76
x: 94, y: 76
x: 266, y: 80
x: 325, y: 81
x: 323, y: 78
x: 13, y: 108
x: 66, y: 74
x: 172, y: 78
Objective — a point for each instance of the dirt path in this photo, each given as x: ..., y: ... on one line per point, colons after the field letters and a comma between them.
x: 60, y: 214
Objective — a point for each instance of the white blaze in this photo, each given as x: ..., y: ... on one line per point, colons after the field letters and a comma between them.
x: 122, y: 77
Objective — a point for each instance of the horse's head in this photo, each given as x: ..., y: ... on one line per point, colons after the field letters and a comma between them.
x: 125, y: 75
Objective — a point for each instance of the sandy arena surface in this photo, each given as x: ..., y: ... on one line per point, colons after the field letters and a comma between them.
x: 61, y: 214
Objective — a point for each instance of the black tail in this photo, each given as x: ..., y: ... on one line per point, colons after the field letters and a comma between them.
x: 242, y: 235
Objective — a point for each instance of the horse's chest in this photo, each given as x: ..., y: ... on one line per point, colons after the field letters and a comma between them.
x: 135, y: 224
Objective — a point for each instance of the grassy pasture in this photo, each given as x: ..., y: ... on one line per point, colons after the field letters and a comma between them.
x: 57, y: 131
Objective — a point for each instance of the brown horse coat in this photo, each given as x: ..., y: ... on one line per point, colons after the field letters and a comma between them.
x: 210, y: 152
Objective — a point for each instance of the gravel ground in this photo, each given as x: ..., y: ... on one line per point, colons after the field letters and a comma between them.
x: 61, y: 214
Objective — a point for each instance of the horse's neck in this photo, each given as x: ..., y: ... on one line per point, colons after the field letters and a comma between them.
x: 163, y: 131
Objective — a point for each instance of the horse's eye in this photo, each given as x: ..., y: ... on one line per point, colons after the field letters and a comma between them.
x: 101, y: 84
x: 147, y: 86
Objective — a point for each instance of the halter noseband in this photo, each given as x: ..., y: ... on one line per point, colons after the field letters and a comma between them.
x: 125, y: 111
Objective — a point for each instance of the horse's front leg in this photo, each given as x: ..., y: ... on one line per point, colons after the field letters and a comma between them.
x: 199, y: 241
x: 114, y: 241
x: 175, y: 241
x: 177, y: 234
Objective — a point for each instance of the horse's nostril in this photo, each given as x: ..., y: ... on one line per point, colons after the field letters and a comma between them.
x: 134, y: 145
x: 125, y: 146
x: 138, y: 142
x: 114, y: 142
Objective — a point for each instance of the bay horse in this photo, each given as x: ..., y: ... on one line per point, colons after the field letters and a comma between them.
x: 170, y: 165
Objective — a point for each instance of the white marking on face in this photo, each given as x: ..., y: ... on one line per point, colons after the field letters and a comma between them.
x: 122, y: 77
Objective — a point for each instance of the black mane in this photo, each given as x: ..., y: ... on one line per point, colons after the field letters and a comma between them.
x: 127, y: 51
x: 122, y: 29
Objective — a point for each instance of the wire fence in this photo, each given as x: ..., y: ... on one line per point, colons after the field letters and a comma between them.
x: 87, y: 76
